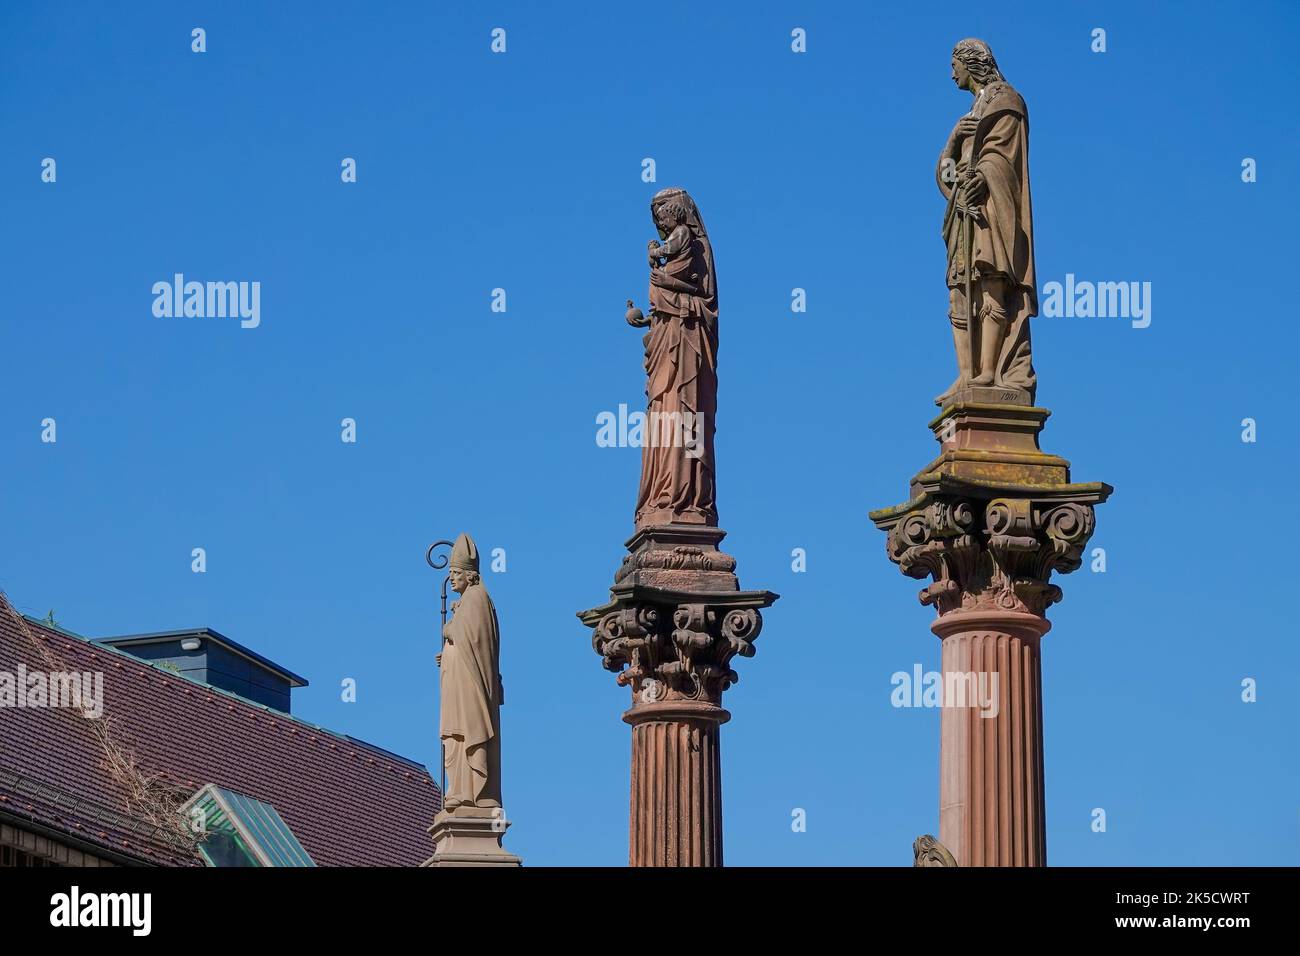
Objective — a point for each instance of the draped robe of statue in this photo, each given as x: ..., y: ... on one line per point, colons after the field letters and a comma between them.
x: 471, y: 702
x: 1004, y: 239
x: 681, y: 363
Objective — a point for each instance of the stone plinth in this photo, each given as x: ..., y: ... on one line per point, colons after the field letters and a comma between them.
x: 470, y: 836
x: 985, y: 440
x: 988, y: 523
x: 675, y: 620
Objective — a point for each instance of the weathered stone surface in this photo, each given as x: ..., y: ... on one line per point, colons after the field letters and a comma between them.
x: 674, y: 624
x: 676, y: 812
x: 677, y: 619
x: 678, y: 482
x: 988, y: 549
x: 993, y: 442
x: 987, y: 545
x: 671, y: 634
x: 678, y: 557
x: 988, y: 229
x: 993, y: 516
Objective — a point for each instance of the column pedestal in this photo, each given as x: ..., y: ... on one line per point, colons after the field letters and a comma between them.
x: 470, y: 836
x: 675, y: 620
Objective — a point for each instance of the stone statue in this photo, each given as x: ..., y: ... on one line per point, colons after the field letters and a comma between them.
x: 471, y: 688
x: 681, y: 363
x: 984, y: 174
x: 676, y: 618
x: 992, y: 518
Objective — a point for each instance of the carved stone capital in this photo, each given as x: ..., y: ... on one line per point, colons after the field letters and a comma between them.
x: 667, y: 649
x: 676, y: 618
x: 985, y: 550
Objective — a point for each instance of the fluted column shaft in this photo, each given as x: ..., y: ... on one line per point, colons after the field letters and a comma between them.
x: 676, y: 805
x: 991, y: 805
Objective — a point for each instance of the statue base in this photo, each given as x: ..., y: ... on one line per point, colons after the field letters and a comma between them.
x: 678, y: 557
x: 992, y: 441
x: 988, y: 395
x: 470, y: 836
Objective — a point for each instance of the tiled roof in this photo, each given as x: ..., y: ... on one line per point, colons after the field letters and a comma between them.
x: 348, y: 803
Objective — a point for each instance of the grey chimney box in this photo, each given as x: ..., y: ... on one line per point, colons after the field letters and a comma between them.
x: 206, y: 656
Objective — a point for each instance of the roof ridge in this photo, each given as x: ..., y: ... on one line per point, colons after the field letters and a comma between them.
x: 52, y: 626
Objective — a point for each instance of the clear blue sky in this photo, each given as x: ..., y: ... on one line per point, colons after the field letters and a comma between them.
x: 522, y: 171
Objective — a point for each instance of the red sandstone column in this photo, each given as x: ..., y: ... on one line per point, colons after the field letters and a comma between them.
x: 991, y: 809
x: 676, y: 806
x: 672, y: 647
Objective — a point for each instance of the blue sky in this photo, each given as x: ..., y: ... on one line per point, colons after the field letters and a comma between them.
x: 522, y: 171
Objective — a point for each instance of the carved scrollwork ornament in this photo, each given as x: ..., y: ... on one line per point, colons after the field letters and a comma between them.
x: 607, y: 638
x: 647, y: 618
x: 913, y: 531
x: 1071, y: 523
x: 1069, y: 528
x: 995, y: 556
x: 1009, y: 516
x: 947, y: 519
x: 679, y: 558
x: 667, y: 652
x: 741, y: 627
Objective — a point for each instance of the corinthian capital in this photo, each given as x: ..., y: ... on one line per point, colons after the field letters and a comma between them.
x: 667, y: 651
x: 982, y: 550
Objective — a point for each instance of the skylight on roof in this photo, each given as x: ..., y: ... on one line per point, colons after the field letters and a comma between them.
x: 240, y: 831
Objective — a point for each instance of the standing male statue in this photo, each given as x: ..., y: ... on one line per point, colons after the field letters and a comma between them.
x: 681, y: 363
x: 471, y: 688
x: 984, y: 174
